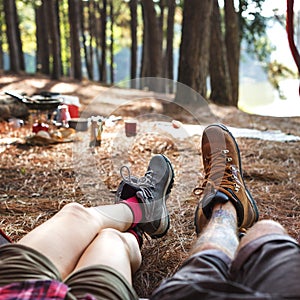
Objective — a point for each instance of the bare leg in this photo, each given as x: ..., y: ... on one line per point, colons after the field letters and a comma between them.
x: 115, y: 249
x: 65, y: 237
x: 262, y: 228
x: 220, y: 232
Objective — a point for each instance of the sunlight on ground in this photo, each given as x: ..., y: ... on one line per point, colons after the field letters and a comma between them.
x: 36, y: 83
x: 66, y: 87
x: 8, y: 79
x: 189, y: 130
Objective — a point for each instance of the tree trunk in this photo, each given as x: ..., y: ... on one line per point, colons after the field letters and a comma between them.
x: 11, y: 34
x: 18, y: 36
x: 290, y: 33
x: 1, y: 52
x: 74, y: 20
x: 92, y: 22
x: 103, y: 76
x: 133, y: 30
x: 96, y: 30
x: 161, y: 22
x: 145, y: 57
x: 169, y: 59
x: 87, y: 56
x: 42, y: 52
x: 218, y: 68
x: 64, y: 30
x: 111, y: 12
x: 233, y: 47
x: 54, y: 37
x: 153, y: 43
x: 194, y: 48
x: 1, y: 38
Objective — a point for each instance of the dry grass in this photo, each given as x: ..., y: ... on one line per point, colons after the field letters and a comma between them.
x: 37, y: 181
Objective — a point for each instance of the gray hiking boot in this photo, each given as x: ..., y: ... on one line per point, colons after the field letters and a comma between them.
x: 152, y: 191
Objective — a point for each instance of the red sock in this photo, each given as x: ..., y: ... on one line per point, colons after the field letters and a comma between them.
x: 135, y: 207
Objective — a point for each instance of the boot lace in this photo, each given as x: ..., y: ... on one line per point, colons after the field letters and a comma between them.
x: 145, y: 183
x: 219, y: 173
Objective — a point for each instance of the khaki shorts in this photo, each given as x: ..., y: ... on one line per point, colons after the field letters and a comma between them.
x: 20, y: 263
x: 266, y: 268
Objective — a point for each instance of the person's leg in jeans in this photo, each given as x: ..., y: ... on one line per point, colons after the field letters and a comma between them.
x: 268, y: 261
x: 225, y: 211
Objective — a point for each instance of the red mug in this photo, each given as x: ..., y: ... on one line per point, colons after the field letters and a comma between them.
x: 130, y: 128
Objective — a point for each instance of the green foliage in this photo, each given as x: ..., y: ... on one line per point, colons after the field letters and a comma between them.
x: 64, y: 35
x: 276, y: 72
x: 121, y: 27
x: 27, y: 25
x: 254, y: 33
x: 2, y: 28
x: 253, y: 29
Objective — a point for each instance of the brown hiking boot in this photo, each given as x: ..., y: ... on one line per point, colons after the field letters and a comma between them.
x: 223, y: 179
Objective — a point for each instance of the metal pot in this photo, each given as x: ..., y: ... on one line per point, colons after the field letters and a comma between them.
x: 38, y: 102
x: 80, y: 124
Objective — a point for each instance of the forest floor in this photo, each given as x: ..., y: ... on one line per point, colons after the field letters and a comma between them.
x: 36, y: 181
